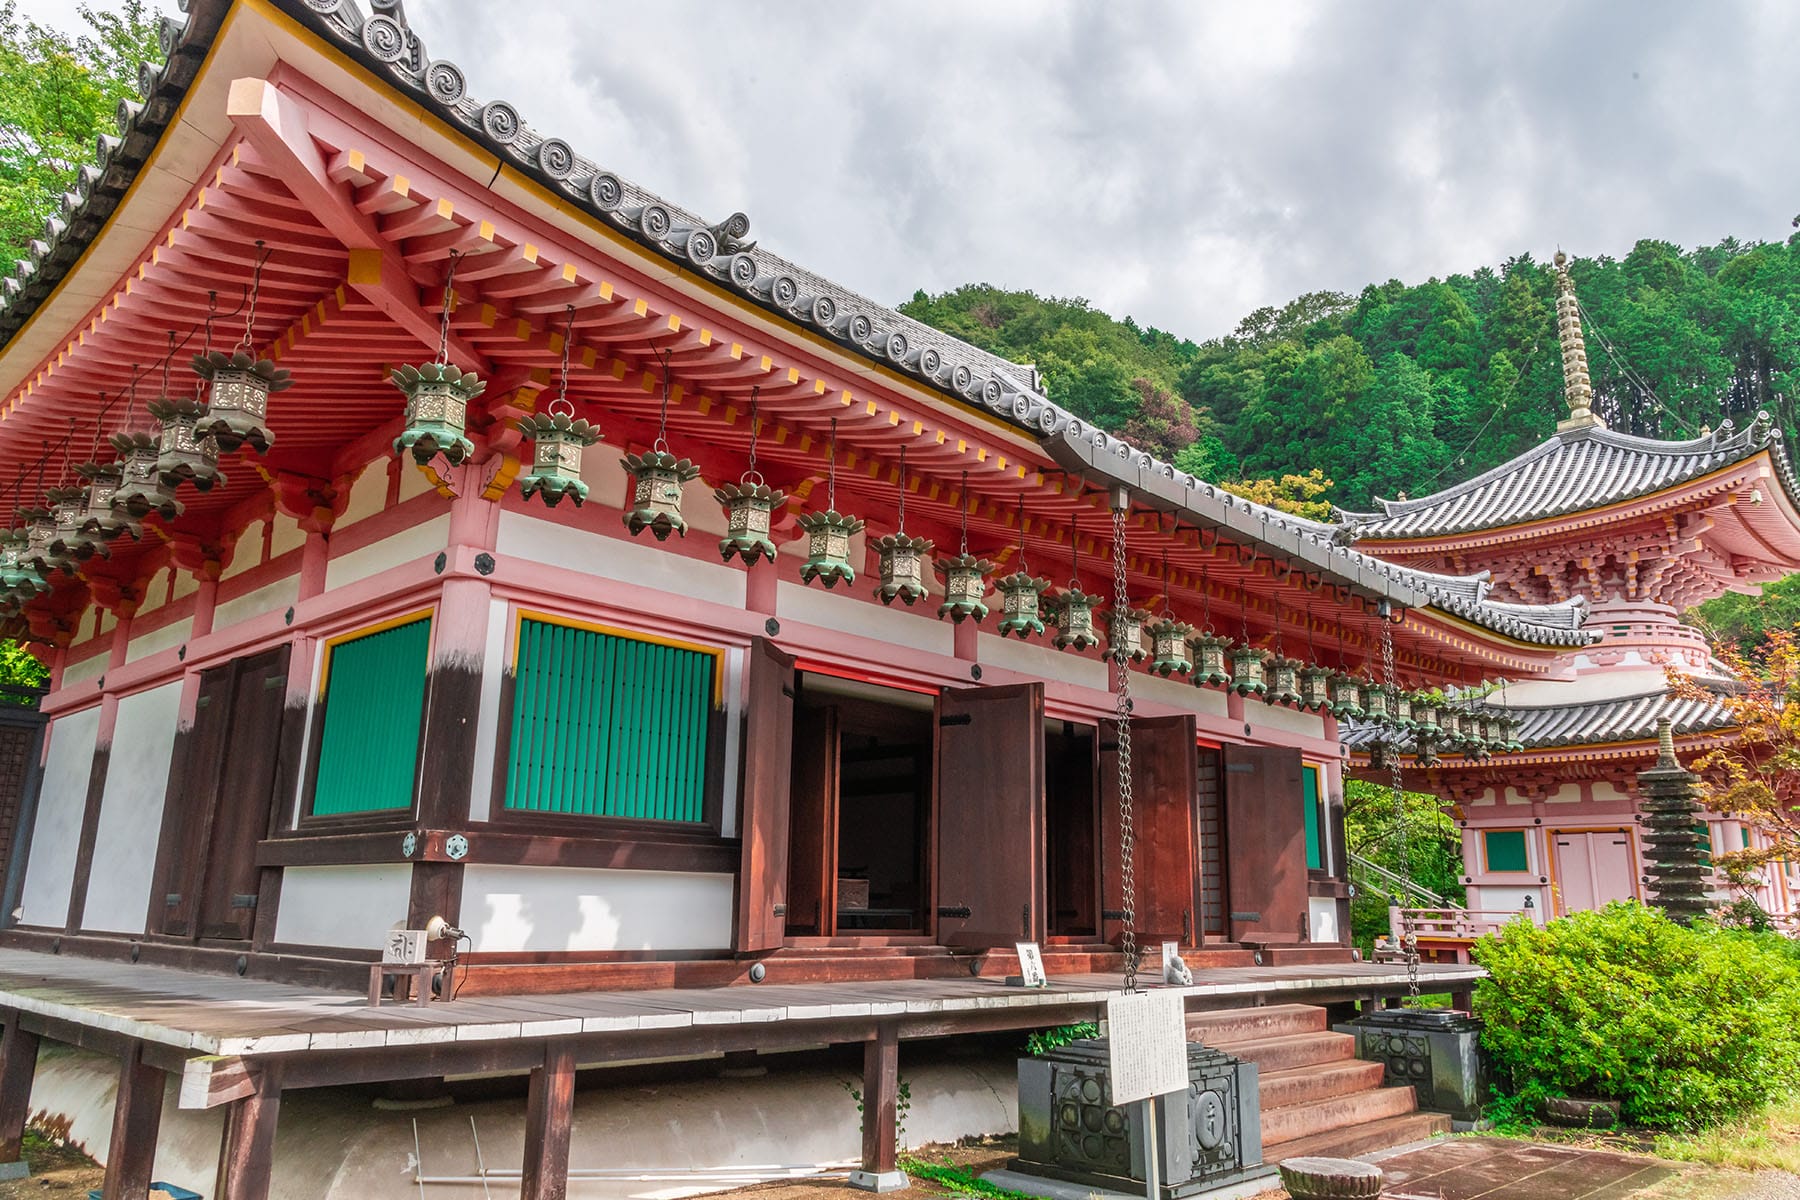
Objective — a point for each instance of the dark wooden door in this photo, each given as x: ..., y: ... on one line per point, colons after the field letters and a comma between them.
x: 1163, y: 784
x: 1265, y: 843
x: 768, y: 756
x: 990, y: 816
x: 813, y: 824
x: 221, y: 799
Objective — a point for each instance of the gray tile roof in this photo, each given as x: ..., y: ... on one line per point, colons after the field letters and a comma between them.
x: 1572, y: 471
x: 720, y: 251
x: 1597, y: 722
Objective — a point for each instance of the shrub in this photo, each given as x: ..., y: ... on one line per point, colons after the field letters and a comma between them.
x: 1684, y: 1025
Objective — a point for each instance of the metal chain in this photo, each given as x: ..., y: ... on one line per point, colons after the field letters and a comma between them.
x: 562, y: 405
x: 1409, y: 940
x: 1127, y: 833
x: 443, y: 355
x: 751, y: 474
x: 262, y: 256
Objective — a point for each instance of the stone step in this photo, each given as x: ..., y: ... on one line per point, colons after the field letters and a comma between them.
x: 1223, y: 1026
x: 1294, y: 1051
x: 1296, y: 1121
x: 1353, y: 1140
x: 1280, y: 1089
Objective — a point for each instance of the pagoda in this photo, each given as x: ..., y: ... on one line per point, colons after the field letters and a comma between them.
x: 1641, y: 530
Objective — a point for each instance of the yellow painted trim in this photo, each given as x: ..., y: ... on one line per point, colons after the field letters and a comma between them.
x: 332, y: 643
x: 716, y: 653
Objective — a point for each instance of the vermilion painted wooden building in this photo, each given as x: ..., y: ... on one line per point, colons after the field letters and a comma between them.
x: 368, y: 676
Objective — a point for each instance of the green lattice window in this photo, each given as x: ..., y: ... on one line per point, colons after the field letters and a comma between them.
x: 374, y: 695
x: 1504, y: 850
x: 1315, y: 824
x: 607, y: 725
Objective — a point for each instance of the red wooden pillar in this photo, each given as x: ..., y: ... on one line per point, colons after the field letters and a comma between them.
x: 137, y: 1116
x: 881, y: 1099
x: 18, y: 1066
x: 549, y: 1115
x: 247, y: 1161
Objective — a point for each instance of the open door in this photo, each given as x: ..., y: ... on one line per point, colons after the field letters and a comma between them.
x: 1265, y: 842
x: 813, y: 824
x: 990, y: 816
x: 1164, y: 781
x: 222, y: 803
x: 768, y: 755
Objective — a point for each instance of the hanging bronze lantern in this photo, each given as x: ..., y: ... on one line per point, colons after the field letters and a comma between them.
x: 1212, y: 664
x: 1020, y: 595
x: 557, y: 440
x: 73, y: 544
x: 1169, y: 646
x: 1072, y: 612
x: 1346, y: 696
x: 184, y: 456
x: 656, y: 499
x: 42, y: 553
x: 828, y: 537
x: 1402, y: 711
x: 18, y: 578
x: 142, y: 490
x: 104, y: 518
x: 1284, y: 681
x: 749, y: 516
x: 965, y: 586
x: 1381, y: 756
x: 902, y: 566
x: 1425, y: 717
x: 1249, y: 671
x: 1125, y: 635
x: 237, y: 403
x: 437, y: 412
x: 1423, y: 754
x: 1450, y: 722
x: 1378, y: 704
x: 1315, y: 688
x: 1510, y: 726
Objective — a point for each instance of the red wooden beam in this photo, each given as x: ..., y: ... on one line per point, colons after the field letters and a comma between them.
x: 880, y: 1099
x: 248, y: 1160
x: 549, y: 1114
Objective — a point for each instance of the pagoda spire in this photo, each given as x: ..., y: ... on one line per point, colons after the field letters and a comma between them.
x: 1578, y: 390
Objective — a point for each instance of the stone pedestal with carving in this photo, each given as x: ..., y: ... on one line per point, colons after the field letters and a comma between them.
x: 1436, y: 1050
x: 1206, y: 1138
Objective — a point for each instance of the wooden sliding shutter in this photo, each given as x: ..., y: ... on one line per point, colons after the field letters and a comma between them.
x: 1164, y: 782
x: 990, y: 816
x: 374, y: 706
x: 1265, y: 839
x: 768, y: 759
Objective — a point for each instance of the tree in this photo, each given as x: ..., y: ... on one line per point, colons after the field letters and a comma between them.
x: 57, y: 95
x: 1374, y: 832
x: 1297, y: 494
x: 1745, y: 621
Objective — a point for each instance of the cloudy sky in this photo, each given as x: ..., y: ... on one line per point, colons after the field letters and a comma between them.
x: 1179, y: 162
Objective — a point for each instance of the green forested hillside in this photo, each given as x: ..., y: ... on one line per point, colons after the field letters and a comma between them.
x: 1410, y: 387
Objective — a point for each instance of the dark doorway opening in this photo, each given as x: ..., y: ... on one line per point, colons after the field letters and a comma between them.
x: 860, y: 809
x: 1071, y: 797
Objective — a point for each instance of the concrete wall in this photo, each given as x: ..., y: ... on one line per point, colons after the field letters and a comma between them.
x: 512, y: 909
x: 56, y: 836
x: 131, y: 809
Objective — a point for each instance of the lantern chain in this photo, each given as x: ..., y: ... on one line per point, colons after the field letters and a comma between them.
x: 1409, y: 940
x: 751, y: 474
x: 661, y: 445
x: 443, y: 354
x: 962, y: 497
x: 901, y: 517
x: 212, y: 310
x: 1074, y: 553
x: 562, y: 406
x: 1022, y: 569
x: 831, y: 471
x: 1127, y: 830
x: 262, y: 256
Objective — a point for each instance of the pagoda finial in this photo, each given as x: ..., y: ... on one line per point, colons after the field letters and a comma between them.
x: 1578, y: 390
x: 1665, y: 743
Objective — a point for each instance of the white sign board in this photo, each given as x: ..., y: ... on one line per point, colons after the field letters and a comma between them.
x: 1147, y: 1036
x: 405, y: 947
x: 1031, y: 965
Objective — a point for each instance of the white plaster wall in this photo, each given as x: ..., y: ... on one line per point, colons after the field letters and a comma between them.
x: 494, y: 662
x: 248, y: 554
x: 368, y: 495
x: 56, y: 836
x: 185, y: 585
x: 271, y: 597
x: 416, y: 541
x: 734, y: 699
x: 647, y: 563
x: 351, y: 906
x: 515, y: 909
x: 1038, y: 660
x: 131, y: 806
x: 1280, y: 716
x: 1321, y: 918
x: 1568, y: 793
x: 1484, y: 898
x: 288, y: 536
x: 833, y: 609
x: 413, y: 481
x: 1604, y: 791
x: 158, y: 640
x: 88, y: 668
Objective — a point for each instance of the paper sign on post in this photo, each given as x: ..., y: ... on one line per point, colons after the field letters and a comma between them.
x: 1147, y: 1037
x: 1031, y: 966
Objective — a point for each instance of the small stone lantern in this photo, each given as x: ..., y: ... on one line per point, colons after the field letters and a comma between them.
x: 901, y: 559
x: 828, y: 537
x: 1125, y: 635
x: 1346, y: 696
x: 1285, y: 685
x: 437, y: 413
x: 1212, y: 666
x: 1169, y: 646
x: 237, y: 403
x: 749, y: 517
x: 965, y: 586
x: 656, y: 501
x: 557, y: 440
x: 1249, y: 671
x: 142, y: 490
x: 185, y: 456
x: 103, y: 515
x: 1020, y: 604
x: 1378, y: 704
x: 1072, y: 612
x: 1315, y: 688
